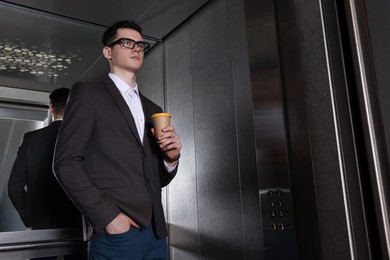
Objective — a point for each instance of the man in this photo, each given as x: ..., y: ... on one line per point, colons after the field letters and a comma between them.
x: 32, y: 187
x: 107, y: 157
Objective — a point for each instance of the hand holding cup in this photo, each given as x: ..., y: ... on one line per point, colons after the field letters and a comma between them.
x: 170, y: 143
x: 160, y: 121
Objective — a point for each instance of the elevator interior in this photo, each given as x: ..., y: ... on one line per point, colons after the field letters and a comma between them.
x: 43, y: 47
x: 73, y: 41
x: 285, y: 186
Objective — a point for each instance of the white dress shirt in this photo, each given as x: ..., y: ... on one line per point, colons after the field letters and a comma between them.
x: 131, y: 96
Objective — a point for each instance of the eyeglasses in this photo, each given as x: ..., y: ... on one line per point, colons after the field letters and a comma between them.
x: 129, y: 44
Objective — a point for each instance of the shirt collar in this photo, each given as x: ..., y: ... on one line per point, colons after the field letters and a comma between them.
x: 122, y: 85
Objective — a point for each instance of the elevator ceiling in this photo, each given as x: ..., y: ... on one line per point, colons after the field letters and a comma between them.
x: 47, y: 44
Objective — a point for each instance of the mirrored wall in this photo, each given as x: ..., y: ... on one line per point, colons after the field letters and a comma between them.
x: 39, y: 52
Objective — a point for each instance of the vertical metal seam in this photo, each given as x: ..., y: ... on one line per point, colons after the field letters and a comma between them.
x: 165, y: 98
x: 370, y: 123
x: 236, y: 128
x: 337, y: 135
x: 194, y: 138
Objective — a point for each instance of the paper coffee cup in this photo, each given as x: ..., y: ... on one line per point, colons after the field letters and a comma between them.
x: 160, y: 121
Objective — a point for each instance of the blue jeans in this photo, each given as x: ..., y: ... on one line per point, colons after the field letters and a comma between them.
x: 136, y: 244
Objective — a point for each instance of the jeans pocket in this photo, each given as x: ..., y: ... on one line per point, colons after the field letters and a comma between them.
x: 119, y: 236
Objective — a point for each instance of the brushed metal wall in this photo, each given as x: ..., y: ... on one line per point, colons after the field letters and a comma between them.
x: 368, y: 40
x: 270, y: 132
x: 324, y: 156
x: 218, y: 206
x: 319, y: 202
x: 212, y: 206
x: 329, y: 148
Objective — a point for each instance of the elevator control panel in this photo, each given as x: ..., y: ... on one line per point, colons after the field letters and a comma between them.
x: 278, y: 224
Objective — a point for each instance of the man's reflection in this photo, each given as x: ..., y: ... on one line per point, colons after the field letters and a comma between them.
x: 32, y: 187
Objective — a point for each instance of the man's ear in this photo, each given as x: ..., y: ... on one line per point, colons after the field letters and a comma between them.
x: 51, y: 108
x: 107, y: 52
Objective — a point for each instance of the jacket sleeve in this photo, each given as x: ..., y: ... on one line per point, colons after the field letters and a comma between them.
x: 17, y: 183
x: 69, y: 163
x: 165, y: 176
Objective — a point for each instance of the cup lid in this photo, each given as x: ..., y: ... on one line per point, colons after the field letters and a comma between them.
x: 161, y: 114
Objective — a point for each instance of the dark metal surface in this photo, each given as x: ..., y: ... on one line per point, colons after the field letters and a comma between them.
x: 270, y: 132
x: 369, y: 35
x: 212, y: 206
x: 41, y: 243
x: 157, y: 18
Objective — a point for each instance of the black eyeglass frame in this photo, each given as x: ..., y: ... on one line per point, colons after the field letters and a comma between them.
x: 120, y: 41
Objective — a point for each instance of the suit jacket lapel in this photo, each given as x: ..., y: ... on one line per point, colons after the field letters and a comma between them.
x: 146, y: 115
x: 142, y: 98
x: 122, y: 105
x: 148, y: 136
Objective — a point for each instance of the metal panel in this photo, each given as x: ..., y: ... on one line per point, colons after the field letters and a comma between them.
x: 212, y: 206
x: 221, y: 234
x: 245, y: 130
x: 327, y: 157
x: 150, y: 78
x: 377, y: 94
x: 300, y: 164
x: 41, y: 243
x: 368, y: 32
x: 182, y: 193
x: 378, y: 22
x: 270, y: 133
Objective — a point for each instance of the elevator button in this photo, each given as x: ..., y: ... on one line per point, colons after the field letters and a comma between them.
x: 273, y: 226
x: 281, y: 227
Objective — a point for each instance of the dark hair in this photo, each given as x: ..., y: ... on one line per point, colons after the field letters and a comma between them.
x: 110, y: 32
x: 58, y: 99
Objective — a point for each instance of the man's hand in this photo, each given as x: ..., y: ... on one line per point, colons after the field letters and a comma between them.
x: 170, y: 144
x: 120, y: 224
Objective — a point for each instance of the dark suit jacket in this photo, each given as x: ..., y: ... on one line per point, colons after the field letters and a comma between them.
x: 101, y: 162
x: 45, y: 204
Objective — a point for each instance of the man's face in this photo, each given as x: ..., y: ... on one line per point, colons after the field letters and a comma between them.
x: 123, y: 58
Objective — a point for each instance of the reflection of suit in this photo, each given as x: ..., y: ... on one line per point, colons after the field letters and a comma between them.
x: 45, y: 204
x: 102, y: 163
